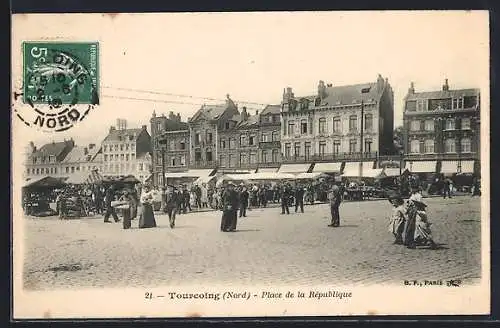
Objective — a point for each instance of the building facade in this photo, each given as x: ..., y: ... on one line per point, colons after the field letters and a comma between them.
x: 210, y: 134
x: 82, y: 159
x: 442, y: 130
x: 270, y: 136
x: 47, y: 160
x: 176, y: 150
x: 353, y: 122
x: 124, y: 150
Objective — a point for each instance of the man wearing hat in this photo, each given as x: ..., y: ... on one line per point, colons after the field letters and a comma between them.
x: 285, y: 194
x: 173, y: 202
x: 126, y: 208
x: 299, y: 198
x: 110, y: 211
x: 335, y: 198
x: 243, y: 196
x: 230, y: 208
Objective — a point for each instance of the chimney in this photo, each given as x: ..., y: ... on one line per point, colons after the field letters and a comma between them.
x: 178, y: 117
x: 446, y: 87
x: 171, y: 115
x: 244, y: 114
x: 288, y: 94
x: 321, y: 89
x: 111, y: 129
x: 411, y: 90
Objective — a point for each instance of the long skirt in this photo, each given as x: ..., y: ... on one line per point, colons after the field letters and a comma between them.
x: 126, y: 218
x: 228, y: 221
x: 396, y: 227
x: 147, y: 218
x: 133, y: 211
x: 423, y: 234
x: 409, y: 231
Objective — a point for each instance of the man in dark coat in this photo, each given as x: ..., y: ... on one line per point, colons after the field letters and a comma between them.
x: 230, y: 207
x: 244, y: 195
x: 185, y: 200
x: 299, y: 198
x: 110, y: 210
x: 173, y: 202
x: 335, y: 199
x: 285, y: 199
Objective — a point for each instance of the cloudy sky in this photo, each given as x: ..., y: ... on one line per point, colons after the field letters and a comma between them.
x: 253, y: 56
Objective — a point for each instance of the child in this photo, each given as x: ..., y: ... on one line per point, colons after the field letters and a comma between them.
x: 396, y: 226
x: 423, y: 234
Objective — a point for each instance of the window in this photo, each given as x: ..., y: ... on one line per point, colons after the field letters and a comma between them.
x: 465, y: 123
x: 127, y: 157
x: 231, y: 160
x: 172, y: 145
x: 121, y: 147
x: 322, y: 125
x: 291, y: 126
x: 368, y: 146
x: 209, y: 156
x: 197, y: 139
x: 465, y: 145
x: 158, y: 158
x: 222, y: 161
x: 105, y: 148
x: 105, y: 157
x: 28, y: 171
x: 253, y: 158
x: 303, y: 127
x: 197, y: 156
x: 55, y: 170
x: 449, y: 146
x: 415, y: 126
x: 415, y: 146
x: 251, y: 141
x: 122, y: 157
x: 183, y: 145
x: 158, y: 126
x: 429, y: 125
x: 209, y: 137
x: 132, y: 157
x: 132, y: 147
x: 307, y: 149
x: 337, y: 125
x: 127, y: 147
x: 322, y: 148
x: 183, y: 160
x: 450, y: 124
x: 429, y: 146
x: 227, y: 125
x: 67, y: 169
x: 223, y: 144
x: 72, y: 169
x: 37, y: 171
x: 368, y: 122
x: 296, y: 149
x: 421, y: 105
x: 52, y: 158
x: 275, y: 156
x: 336, y: 147
x: 243, y: 140
x: 353, y: 123
x: 274, y: 136
x: 116, y: 147
x: 140, y: 166
x: 352, y: 145
x: 287, y: 150
x: 458, y: 103
x: 265, y: 137
x: 265, y: 158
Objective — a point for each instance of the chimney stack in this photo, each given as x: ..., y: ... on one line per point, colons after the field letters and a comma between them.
x: 411, y: 90
x: 446, y: 87
x: 321, y: 89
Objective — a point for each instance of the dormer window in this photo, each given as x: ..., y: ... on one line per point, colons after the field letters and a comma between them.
x: 227, y: 125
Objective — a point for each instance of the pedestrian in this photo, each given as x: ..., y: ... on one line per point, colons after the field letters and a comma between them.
x: 173, y: 201
x: 285, y: 199
x: 110, y: 210
x: 244, y: 195
x: 186, y: 199
x: 423, y: 234
x: 126, y: 207
x: 147, y: 218
x: 204, y: 195
x: 409, y: 228
x: 447, y: 188
x: 299, y: 198
x: 397, y: 222
x: 335, y: 199
x: 230, y: 208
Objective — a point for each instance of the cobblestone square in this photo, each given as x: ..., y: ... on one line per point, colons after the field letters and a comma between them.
x: 267, y: 249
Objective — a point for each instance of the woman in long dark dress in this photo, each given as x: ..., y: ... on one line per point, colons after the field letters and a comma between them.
x: 147, y: 218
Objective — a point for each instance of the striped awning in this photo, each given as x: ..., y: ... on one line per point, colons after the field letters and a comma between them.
x: 94, y: 177
x: 421, y: 166
x: 327, y: 167
x: 466, y: 167
x: 294, y: 168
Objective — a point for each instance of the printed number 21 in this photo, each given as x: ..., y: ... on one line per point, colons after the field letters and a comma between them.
x: 148, y: 295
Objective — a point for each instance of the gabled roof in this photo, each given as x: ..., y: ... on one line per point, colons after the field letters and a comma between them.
x: 120, y: 135
x: 174, y: 125
x: 350, y: 94
x: 251, y: 121
x: 211, y: 112
x: 271, y: 109
x: 51, y: 149
x: 77, y: 154
x: 442, y: 94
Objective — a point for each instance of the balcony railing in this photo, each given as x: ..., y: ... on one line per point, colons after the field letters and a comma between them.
x: 331, y: 157
x: 203, y: 165
x: 441, y: 156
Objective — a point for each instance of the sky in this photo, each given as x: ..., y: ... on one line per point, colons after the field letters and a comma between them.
x: 254, y: 56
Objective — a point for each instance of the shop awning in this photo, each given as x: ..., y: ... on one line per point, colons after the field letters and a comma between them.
x: 78, y: 178
x: 327, y: 167
x: 44, y: 182
x: 294, y: 168
x: 467, y: 167
x: 191, y: 173
x: 449, y: 167
x: 351, y: 169
x: 366, y: 173
x: 421, y: 166
x: 314, y: 175
x: 204, y: 179
x: 393, y: 172
x: 267, y: 170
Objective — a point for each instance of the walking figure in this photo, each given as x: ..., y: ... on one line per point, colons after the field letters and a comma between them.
x: 335, y: 199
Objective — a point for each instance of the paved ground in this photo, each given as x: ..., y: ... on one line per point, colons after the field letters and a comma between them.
x: 268, y: 248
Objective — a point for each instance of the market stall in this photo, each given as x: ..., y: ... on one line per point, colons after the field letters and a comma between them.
x: 39, y: 194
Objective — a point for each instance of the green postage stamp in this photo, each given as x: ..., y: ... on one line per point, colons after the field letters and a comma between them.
x: 60, y: 82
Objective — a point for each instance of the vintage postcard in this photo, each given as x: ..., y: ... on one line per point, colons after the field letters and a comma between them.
x: 250, y: 164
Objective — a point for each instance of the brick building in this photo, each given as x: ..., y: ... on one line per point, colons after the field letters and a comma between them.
x: 442, y: 130
x: 270, y: 136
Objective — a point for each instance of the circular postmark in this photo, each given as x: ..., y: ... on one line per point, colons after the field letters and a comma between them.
x: 60, y: 84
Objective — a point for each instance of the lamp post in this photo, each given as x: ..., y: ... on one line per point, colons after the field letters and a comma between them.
x: 163, y: 145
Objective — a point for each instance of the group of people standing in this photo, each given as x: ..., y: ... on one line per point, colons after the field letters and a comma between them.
x: 409, y: 222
